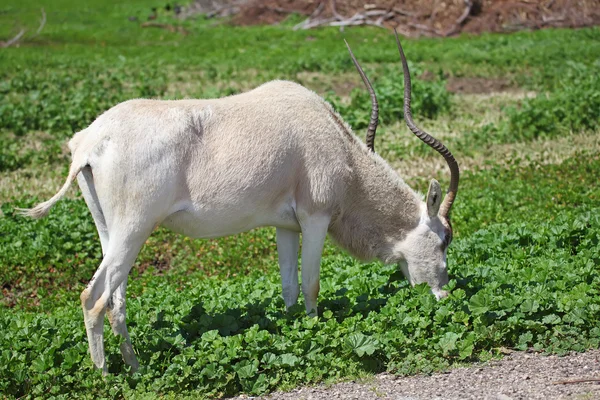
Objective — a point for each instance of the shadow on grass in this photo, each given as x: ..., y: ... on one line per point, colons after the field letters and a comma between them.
x: 235, y: 321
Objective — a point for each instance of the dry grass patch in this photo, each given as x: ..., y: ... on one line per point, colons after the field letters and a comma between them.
x: 470, y: 112
x: 553, y: 151
x: 38, y: 179
x: 205, y: 84
x: 476, y: 110
x: 32, y: 141
x: 38, y: 182
x: 340, y: 83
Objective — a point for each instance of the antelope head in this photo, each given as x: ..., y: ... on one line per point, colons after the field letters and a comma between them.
x: 423, y: 251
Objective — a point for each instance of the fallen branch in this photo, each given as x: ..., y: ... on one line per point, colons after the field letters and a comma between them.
x: 224, y: 11
x: 463, y: 17
x: 376, y: 16
x: 452, y: 30
x: 15, y: 39
x: 309, y: 24
x: 410, y: 13
x: 374, y: 13
x: 360, y: 18
x: 550, y: 20
x: 384, y: 17
x: 42, y: 23
x: 336, y: 15
x: 311, y: 17
x: 423, y: 28
x: 403, y: 32
x: 21, y: 33
x: 318, y: 10
x: 466, y: 13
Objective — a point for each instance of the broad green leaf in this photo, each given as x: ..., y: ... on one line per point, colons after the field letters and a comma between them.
x: 361, y: 344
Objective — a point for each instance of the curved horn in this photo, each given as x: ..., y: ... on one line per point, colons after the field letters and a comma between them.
x: 430, y: 140
x: 374, y: 105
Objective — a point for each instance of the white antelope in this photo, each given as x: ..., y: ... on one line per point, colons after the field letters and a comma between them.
x: 278, y: 155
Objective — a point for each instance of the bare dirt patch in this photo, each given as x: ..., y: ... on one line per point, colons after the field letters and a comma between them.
x: 410, y: 17
x: 470, y: 85
x: 520, y: 375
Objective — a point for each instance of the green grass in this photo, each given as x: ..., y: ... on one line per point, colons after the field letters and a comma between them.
x: 517, y: 283
x: 206, y: 316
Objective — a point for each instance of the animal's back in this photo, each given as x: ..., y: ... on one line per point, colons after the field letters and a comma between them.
x: 277, y: 113
x: 252, y: 154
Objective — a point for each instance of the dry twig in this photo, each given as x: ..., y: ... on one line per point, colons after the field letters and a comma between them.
x: 224, y: 11
x: 42, y: 23
x: 15, y: 39
x: 21, y: 33
x: 410, y: 13
x: 360, y: 18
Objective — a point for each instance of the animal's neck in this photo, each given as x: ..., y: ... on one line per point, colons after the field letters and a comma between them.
x: 378, y: 210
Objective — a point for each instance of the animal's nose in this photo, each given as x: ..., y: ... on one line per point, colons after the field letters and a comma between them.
x: 440, y: 294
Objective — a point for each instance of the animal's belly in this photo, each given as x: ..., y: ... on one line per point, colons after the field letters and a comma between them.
x: 218, y: 223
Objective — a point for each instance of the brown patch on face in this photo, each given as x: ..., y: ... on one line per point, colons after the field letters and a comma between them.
x: 447, y: 232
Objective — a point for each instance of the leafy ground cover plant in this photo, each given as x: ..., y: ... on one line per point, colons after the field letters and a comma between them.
x: 514, y: 286
x: 207, y: 317
x: 516, y: 283
x: 432, y: 101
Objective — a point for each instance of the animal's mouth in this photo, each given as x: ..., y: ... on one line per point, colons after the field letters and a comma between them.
x: 440, y: 294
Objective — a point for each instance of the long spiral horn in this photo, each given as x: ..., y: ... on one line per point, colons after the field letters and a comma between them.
x: 430, y: 140
x: 374, y: 105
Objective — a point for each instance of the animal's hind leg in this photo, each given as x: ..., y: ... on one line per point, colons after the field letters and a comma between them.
x: 117, y: 316
x: 121, y: 252
x: 85, y: 179
x: 116, y: 306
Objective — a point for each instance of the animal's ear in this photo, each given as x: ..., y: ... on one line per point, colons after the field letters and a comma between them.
x: 434, y: 198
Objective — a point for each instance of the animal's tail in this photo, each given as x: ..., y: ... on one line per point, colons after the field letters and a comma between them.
x: 42, y: 209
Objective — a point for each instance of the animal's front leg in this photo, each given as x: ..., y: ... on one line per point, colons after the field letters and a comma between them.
x: 314, y: 231
x: 117, y: 316
x: 288, y: 243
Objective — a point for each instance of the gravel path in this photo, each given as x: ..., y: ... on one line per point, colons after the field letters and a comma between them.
x: 519, y: 375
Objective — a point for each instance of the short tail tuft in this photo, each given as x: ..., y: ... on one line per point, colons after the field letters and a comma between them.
x: 39, y: 211
x: 42, y: 209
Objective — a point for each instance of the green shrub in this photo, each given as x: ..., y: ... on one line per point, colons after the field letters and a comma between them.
x: 572, y: 107
x: 429, y: 100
